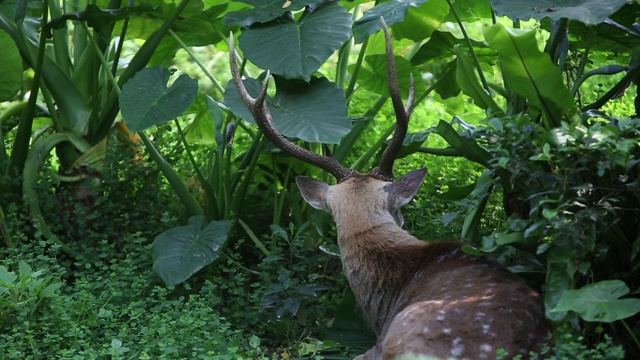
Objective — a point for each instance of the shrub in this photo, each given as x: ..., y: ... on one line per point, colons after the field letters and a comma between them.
x: 112, y: 306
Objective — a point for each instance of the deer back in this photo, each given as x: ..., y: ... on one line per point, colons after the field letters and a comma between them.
x: 419, y: 297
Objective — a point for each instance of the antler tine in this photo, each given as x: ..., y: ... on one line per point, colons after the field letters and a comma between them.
x: 262, y: 116
x: 385, y: 170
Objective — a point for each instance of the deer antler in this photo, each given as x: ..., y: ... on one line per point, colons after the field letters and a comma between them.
x: 264, y: 120
x: 385, y: 170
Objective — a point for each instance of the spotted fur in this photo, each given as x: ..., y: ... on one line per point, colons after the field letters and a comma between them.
x: 423, y: 298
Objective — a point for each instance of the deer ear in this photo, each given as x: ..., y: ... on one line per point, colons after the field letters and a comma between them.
x: 404, y: 189
x: 313, y: 191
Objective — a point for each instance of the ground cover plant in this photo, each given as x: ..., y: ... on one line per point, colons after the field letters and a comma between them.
x: 144, y: 216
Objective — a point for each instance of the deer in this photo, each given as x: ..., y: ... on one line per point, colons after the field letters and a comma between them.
x: 422, y: 299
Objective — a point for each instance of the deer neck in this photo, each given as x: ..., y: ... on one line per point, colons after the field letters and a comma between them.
x: 370, y: 259
x: 380, y: 234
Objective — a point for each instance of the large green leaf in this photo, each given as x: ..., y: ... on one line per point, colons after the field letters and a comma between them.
x: 296, y: 49
x: 441, y: 45
x: 314, y: 112
x: 373, y: 77
x: 471, y: 10
x: 560, y: 277
x: 531, y: 73
x: 206, y: 127
x: 587, y: 11
x: 180, y: 252
x: 147, y: 101
x: 393, y: 12
x: 467, y: 79
x: 264, y: 11
x: 11, y: 74
x: 599, y: 302
x: 420, y: 22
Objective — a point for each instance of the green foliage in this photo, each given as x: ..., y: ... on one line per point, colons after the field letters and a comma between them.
x: 599, y: 302
x: 111, y: 307
x: 21, y: 294
x: 180, y: 252
x: 147, y: 101
x: 569, y: 346
x: 11, y: 76
x: 530, y: 72
x: 577, y: 216
x: 421, y: 16
x: 79, y: 89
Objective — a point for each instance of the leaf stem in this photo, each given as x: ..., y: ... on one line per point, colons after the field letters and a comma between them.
x: 202, y: 67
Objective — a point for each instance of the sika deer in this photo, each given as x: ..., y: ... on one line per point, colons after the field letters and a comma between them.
x: 420, y: 298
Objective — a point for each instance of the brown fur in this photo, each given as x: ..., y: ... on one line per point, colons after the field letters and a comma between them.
x: 424, y: 298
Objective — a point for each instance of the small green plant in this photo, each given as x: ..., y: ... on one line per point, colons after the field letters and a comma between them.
x: 112, y: 306
x: 22, y: 292
x: 572, y: 346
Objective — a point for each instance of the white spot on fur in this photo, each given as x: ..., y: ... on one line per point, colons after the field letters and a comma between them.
x: 480, y: 316
x: 425, y: 330
x: 485, y: 328
x: 446, y: 331
x: 457, y: 347
x: 486, y: 347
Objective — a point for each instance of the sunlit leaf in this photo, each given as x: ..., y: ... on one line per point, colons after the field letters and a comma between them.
x: 203, y: 129
x: 531, y: 73
x: 393, y: 12
x: 469, y: 83
x: 599, y: 302
x: 373, y: 76
x: 420, y: 22
x: 470, y: 10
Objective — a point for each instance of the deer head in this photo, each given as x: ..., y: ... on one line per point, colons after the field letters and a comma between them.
x: 420, y: 298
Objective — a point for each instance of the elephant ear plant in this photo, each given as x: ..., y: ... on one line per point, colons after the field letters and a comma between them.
x: 301, y: 97
x: 77, y: 78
